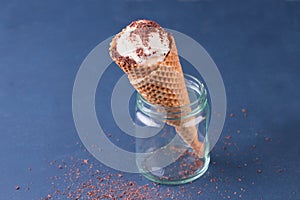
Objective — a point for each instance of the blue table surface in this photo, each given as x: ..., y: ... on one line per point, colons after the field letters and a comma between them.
x: 255, y: 44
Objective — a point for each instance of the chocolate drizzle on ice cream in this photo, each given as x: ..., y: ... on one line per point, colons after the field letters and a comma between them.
x: 142, y: 42
x: 144, y: 28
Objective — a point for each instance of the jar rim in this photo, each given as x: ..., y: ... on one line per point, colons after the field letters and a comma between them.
x: 201, y: 99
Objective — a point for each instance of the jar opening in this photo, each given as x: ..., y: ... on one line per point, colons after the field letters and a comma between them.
x: 198, y: 100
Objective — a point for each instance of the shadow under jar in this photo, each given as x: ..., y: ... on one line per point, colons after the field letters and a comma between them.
x: 162, y: 155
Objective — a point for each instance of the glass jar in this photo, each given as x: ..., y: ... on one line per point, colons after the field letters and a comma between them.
x: 163, y: 154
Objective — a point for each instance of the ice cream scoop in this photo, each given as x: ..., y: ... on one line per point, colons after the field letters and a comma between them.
x: 143, y: 41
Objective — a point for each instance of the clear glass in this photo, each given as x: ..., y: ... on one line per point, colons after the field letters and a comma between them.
x: 163, y: 155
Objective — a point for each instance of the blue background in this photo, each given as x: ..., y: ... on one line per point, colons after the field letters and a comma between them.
x: 255, y: 44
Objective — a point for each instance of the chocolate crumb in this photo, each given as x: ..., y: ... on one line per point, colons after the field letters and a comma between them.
x: 120, y: 175
x: 139, y: 52
x: 244, y: 111
x: 228, y: 137
x: 144, y: 23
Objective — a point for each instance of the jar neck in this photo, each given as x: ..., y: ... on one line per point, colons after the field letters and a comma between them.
x: 198, y: 98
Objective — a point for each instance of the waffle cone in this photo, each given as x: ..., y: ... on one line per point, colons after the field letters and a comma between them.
x: 163, y: 84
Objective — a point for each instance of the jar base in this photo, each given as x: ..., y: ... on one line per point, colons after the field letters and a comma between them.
x: 152, y: 176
